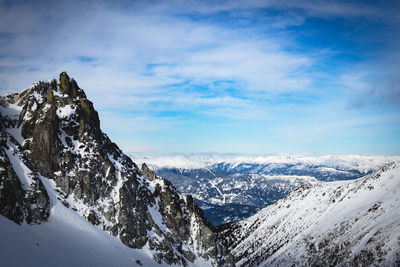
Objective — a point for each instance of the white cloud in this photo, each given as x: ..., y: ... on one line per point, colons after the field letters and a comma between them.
x: 123, y: 44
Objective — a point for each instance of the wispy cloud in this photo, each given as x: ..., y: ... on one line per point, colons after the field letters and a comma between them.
x: 167, y: 65
x: 182, y: 53
x: 374, y: 85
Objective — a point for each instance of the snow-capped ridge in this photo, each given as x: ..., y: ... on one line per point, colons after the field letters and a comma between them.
x: 343, y: 222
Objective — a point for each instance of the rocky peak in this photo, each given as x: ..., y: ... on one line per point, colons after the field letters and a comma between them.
x: 70, y: 87
x: 61, y: 140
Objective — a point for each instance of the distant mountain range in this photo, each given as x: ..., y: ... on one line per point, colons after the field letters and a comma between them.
x: 229, y: 188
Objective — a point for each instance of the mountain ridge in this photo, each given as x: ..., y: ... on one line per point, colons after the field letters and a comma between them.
x: 52, y: 130
x: 338, y: 223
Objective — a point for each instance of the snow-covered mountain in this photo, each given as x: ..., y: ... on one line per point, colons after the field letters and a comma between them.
x: 59, y: 172
x: 70, y: 197
x: 349, y: 223
x: 229, y: 188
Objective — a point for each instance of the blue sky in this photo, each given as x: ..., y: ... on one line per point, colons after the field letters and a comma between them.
x: 219, y: 76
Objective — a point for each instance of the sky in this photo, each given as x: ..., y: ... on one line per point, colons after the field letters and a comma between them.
x: 247, y: 77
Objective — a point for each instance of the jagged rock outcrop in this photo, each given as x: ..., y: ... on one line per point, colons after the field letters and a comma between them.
x: 60, y: 139
x: 185, y: 219
x: 19, y: 201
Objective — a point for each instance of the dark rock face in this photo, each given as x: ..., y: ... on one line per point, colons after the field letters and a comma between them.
x: 18, y: 202
x: 63, y: 142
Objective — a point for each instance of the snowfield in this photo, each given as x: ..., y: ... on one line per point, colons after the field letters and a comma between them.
x: 67, y: 239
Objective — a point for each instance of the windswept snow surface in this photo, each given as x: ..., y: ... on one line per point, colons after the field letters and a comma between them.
x: 340, y: 222
x: 66, y: 239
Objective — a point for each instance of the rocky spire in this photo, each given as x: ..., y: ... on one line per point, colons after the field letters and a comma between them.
x: 70, y: 87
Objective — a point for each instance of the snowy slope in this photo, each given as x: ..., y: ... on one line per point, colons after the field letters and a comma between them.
x: 65, y: 240
x: 344, y: 222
